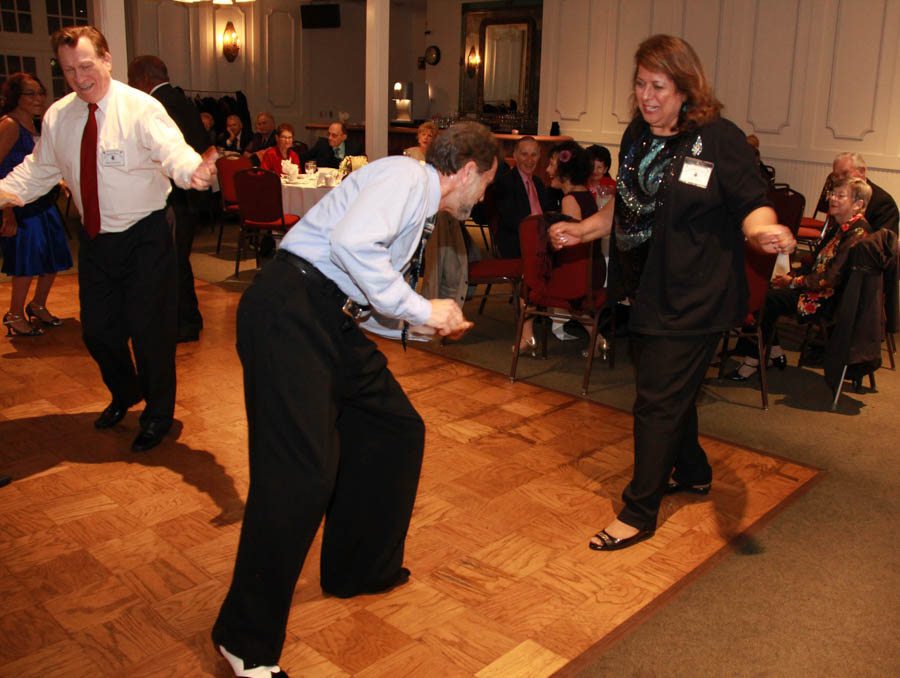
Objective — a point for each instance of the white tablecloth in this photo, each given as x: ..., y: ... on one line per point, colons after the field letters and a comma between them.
x: 299, y: 198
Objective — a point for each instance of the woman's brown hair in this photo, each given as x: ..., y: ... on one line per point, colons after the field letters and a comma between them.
x: 677, y: 59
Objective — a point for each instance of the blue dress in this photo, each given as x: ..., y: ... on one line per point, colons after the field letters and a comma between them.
x: 39, y: 245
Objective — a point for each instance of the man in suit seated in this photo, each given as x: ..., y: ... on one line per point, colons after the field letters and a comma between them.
x: 328, y: 152
x: 264, y: 137
x: 235, y: 138
x: 518, y: 194
x: 882, y: 210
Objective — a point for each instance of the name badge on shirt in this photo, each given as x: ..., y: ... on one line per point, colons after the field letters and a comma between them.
x: 696, y: 172
x: 112, y: 158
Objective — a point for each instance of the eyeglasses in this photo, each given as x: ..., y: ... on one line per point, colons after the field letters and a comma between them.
x: 282, y: 136
x: 33, y: 93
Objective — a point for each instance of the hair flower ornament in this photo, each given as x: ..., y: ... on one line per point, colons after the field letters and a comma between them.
x: 565, y: 156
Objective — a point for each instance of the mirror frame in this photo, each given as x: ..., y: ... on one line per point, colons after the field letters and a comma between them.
x: 476, y: 20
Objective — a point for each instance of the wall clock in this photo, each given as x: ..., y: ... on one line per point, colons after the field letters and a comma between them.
x: 432, y: 55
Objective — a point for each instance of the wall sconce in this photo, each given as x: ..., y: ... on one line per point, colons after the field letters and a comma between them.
x: 472, y: 62
x: 231, y: 43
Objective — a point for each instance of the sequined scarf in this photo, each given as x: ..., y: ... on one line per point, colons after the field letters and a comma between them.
x: 641, y: 176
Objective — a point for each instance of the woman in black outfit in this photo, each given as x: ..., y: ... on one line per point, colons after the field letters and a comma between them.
x: 687, y: 195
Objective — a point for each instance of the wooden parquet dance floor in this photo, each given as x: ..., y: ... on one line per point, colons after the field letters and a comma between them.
x: 115, y: 564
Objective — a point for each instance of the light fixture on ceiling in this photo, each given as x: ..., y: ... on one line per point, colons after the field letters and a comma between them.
x: 231, y: 42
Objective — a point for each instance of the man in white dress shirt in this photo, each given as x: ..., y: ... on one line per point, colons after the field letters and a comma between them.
x: 115, y: 147
x: 331, y: 432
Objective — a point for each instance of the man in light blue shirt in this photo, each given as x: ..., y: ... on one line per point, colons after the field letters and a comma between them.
x: 329, y: 427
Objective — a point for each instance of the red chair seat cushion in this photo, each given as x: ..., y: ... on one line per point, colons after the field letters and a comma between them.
x: 560, y: 302
x: 809, y: 233
x: 495, y: 268
x: 289, y: 220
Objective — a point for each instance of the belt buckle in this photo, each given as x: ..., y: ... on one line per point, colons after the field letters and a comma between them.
x: 352, y: 309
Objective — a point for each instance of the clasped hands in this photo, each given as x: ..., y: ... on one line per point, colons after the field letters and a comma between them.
x: 206, y: 170
x: 446, y: 320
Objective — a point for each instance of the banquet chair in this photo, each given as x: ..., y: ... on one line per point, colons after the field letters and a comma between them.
x: 811, y: 228
x: 259, y: 204
x: 758, y: 268
x: 789, y: 206
x: 494, y: 270
x: 563, y: 290
x: 226, y: 168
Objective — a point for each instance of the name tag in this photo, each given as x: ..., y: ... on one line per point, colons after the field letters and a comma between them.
x: 112, y: 158
x: 696, y: 172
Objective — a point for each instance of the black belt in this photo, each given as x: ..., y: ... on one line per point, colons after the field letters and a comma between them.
x: 314, y: 275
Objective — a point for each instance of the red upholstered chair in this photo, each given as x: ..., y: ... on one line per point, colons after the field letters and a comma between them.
x: 569, y: 287
x: 811, y: 228
x: 495, y: 270
x: 226, y: 169
x: 259, y: 204
x: 758, y: 268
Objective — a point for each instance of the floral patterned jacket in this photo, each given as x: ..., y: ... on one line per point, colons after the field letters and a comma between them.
x: 827, y: 272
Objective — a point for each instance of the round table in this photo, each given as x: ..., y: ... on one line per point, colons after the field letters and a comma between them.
x: 299, y: 197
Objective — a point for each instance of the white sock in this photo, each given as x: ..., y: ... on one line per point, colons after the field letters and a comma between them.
x: 237, y: 665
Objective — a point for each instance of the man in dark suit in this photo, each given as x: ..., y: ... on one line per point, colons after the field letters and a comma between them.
x: 235, y: 138
x: 149, y: 73
x: 328, y: 152
x: 263, y: 138
x: 518, y: 193
x: 882, y: 210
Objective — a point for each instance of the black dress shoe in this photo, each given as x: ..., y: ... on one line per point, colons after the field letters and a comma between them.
x: 112, y: 415
x: 151, y: 435
x: 610, y: 543
x: 695, y: 488
x: 5, y: 480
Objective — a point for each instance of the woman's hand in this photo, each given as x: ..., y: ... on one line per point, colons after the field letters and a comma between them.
x: 10, y: 226
x: 565, y: 234
x: 765, y: 234
x: 782, y: 281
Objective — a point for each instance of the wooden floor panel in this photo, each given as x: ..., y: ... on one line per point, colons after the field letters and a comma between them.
x: 113, y: 563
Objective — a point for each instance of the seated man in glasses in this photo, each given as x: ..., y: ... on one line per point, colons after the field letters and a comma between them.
x: 330, y: 151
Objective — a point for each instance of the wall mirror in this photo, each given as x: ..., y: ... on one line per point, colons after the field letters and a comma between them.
x: 499, y: 70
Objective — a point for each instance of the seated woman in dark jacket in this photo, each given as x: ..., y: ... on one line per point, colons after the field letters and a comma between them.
x: 813, y: 293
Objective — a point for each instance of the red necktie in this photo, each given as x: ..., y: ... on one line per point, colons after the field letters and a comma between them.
x: 90, y: 203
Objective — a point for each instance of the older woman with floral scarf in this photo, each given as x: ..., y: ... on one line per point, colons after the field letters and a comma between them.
x: 813, y: 293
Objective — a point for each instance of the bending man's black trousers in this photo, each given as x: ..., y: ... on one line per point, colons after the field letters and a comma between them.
x: 669, y: 373
x: 331, y: 434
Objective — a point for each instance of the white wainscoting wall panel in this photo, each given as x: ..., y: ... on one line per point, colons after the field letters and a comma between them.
x: 281, y: 57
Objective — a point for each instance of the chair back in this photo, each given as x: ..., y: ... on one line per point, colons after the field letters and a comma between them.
x: 259, y: 196
x: 570, y: 274
x: 789, y: 206
x: 758, y: 267
x: 226, y: 168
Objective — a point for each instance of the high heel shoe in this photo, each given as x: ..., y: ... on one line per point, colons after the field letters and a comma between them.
x: 10, y: 320
x: 42, y: 314
x: 601, y: 348
x: 528, y: 347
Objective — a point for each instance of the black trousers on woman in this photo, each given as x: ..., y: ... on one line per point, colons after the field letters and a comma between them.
x: 331, y: 434
x: 670, y: 370
x: 126, y: 286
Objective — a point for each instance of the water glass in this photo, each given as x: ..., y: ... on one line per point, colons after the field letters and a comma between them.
x: 310, y: 167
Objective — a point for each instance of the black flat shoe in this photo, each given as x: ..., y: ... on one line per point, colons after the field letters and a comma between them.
x: 399, y: 580
x: 610, y: 543
x: 780, y: 362
x: 112, y: 415
x: 695, y: 488
x: 151, y: 435
x: 735, y: 375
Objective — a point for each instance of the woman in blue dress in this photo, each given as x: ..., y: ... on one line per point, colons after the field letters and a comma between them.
x: 33, y: 239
